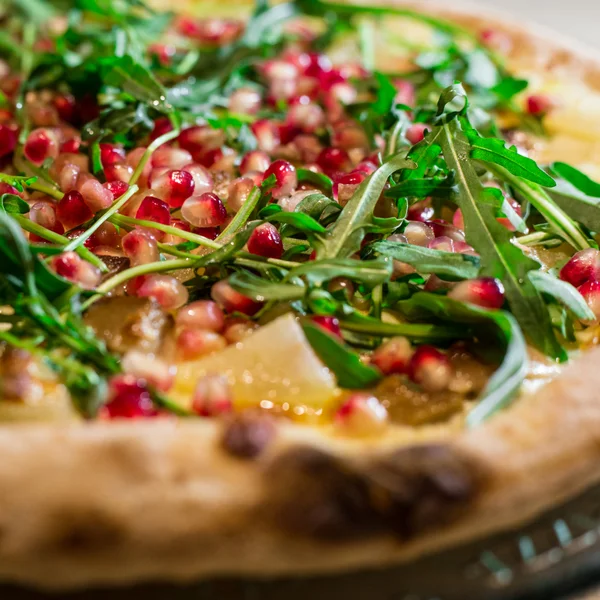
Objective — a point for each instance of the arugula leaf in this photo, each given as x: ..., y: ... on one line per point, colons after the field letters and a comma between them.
x: 582, y: 208
x: 262, y: 290
x: 228, y: 251
x: 356, y: 219
x: 16, y: 181
x: 369, y: 272
x: 300, y: 221
x: 558, y: 219
x: 349, y: 370
x: 577, y: 179
x: 9, y: 203
x: 506, y: 381
x: 494, y: 150
x: 124, y: 73
x: 563, y: 292
x: 319, y: 179
x: 500, y: 257
x: 448, y: 265
x: 318, y: 206
x: 440, y: 186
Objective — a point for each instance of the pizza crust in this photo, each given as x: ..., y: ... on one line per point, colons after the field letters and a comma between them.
x: 113, y: 503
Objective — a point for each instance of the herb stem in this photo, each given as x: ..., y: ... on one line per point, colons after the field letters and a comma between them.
x: 415, y: 331
x: 124, y: 276
x: 46, y: 189
x: 79, y: 240
x: 130, y: 223
x: 242, y: 215
x: 157, y: 143
x: 56, y: 238
x: 556, y: 217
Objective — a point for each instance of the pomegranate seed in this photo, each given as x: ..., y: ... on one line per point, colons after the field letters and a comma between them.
x: 345, y: 185
x: 72, y: 267
x: 72, y: 210
x: 171, y: 158
x: 245, y: 101
x: 464, y: 248
x: 116, y: 188
x: 166, y: 290
x: 200, y: 138
x: 329, y: 324
x: 8, y: 140
x: 583, y: 266
x: 105, y: 236
x: 435, y: 284
x: 44, y: 214
x: 118, y: 173
x: 212, y: 396
x: 155, y: 210
x: 442, y: 244
x: 406, y: 93
x: 421, y: 211
x: 416, y: 133
x: 68, y: 177
x: 266, y: 134
x: 238, y: 192
x: 290, y: 203
x: 232, y: 301
x: 266, y: 241
x: 238, y: 329
x: 539, y: 105
x: 497, y: 40
x: 362, y: 415
x: 111, y: 154
x: 161, y: 126
x: 486, y: 292
x: 256, y: 160
x: 393, y: 356
x: 286, y: 178
x: 203, y: 179
x: 140, y: 247
x: 40, y: 145
x: 442, y: 228
x: 174, y: 187
x: 430, y: 368
x: 202, y: 314
x: 212, y: 233
x: 66, y: 158
x: 215, y: 158
x: 195, y: 343
x: 306, y: 117
x: 352, y: 137
x: 212, y: 32
x: 129, y: 398
x: 133, y: 160
x: 333, y: 160
x: 205, y: 210
x: 9, y: 189
x: 71, y: 146
x: 95, y: 195
x: 591, y: 293
x: 418, y: 234
x: 66, y: 107
x: 148, y: 368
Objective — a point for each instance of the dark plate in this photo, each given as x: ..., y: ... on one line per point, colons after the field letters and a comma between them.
x: 549, y: 558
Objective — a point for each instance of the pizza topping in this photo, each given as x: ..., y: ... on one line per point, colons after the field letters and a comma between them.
x: 234, y: 175
x: 212, y: 396
x: 361, y: 415
x: 129, y: 398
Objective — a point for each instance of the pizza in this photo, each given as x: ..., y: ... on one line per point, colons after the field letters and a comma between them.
x: 304, y: 288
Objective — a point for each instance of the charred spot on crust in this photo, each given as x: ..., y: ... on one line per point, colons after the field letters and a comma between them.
x: 91, y: 530
x: 318, y: 494
x: 248, y: 435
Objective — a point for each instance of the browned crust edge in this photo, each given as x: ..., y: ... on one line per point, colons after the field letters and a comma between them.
x: 120, y: 502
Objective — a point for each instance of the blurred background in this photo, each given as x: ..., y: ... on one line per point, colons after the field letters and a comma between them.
x: 577, y: 18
